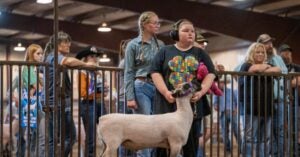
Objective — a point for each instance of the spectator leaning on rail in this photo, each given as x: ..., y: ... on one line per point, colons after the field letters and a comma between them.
x: 278, y: 118
x: 257, y: 111
x: 64, y: 44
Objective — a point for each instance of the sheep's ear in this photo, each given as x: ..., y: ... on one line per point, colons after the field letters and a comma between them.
x: 196, y: 85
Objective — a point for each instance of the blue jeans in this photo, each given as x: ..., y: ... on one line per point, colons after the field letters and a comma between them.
x: 278, y: 130
x: 70, y: 133
x: 144, y: 94
x: 90, y: 117
x: 200, y: 152
x: 225, y: 120
x: 257, y: 140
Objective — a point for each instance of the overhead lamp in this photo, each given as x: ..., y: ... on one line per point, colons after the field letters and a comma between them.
x: 104, y: 58
x: 19, y: 48
x: 44, y: 1
x: 104, y: 28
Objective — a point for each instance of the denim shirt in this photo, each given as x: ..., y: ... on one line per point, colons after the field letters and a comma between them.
x: 67, y: 80
x: 277, y: 61
x: 138, y: 58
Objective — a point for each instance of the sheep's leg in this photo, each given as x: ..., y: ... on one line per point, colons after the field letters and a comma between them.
x: 112, y: 147
x: 175, y: 150
x: 109, y: 152
x: 101, y: 146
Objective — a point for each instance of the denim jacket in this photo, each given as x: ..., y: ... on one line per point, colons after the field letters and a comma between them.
x: 138, y: 57
x: 277, y: 61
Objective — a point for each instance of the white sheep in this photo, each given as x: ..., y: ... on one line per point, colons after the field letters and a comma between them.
x: 136, y: 131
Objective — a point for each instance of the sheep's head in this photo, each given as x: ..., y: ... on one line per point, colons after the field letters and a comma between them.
x: 186, y: 88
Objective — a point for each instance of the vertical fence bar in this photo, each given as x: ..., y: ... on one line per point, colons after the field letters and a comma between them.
x: 239, y: 138
x: 296, y: 96
x: 102, y: 94
x: 56, y: 80
x: 46, y: 109
x: 20, y: 107
x: 79, y: 111
x: 86, y: 107
x: 258, y: 131
x: 1, y: 108
x: 28, y: 143
x: 37, y: 108
x: 10, y: 107
x: 72, y: 106
x: 110, y: 93
x: 95, y: 107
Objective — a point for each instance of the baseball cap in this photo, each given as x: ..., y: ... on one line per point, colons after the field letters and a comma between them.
x: 284, y: 47
x: 263, y: 38
x: 87, y: 51
x: 200, y: 38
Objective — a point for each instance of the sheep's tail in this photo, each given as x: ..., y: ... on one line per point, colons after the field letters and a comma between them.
x: 101, y: 143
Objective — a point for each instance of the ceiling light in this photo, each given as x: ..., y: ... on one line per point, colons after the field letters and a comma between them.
x: 104, y: 28
x: 44, y: 1
x: 19, y: 47
x: 104, y: 59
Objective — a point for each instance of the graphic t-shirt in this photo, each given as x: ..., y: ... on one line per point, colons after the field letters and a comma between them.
x: 176, y: 67
x: 33, y: 104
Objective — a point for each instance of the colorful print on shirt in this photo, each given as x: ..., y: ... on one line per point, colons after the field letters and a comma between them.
x: 34, y: 106
x: 183, y: 70
x: 98, y: 82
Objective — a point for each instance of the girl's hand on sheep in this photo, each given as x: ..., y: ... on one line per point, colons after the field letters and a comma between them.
x: 197, y: 96
x: 169, y: 97
x: 132, y: 104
